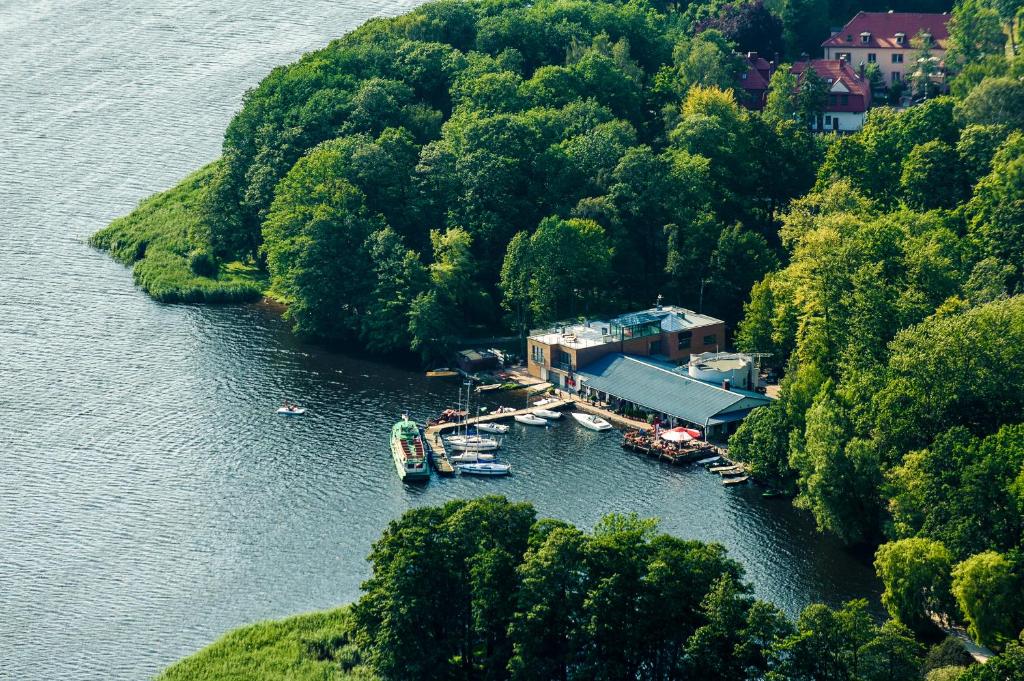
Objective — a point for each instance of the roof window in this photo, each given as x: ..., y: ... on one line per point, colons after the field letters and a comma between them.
x: 865, y: 37
x: 901, y: 38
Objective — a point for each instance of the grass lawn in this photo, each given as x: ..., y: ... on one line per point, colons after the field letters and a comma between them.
x: 304, y: 647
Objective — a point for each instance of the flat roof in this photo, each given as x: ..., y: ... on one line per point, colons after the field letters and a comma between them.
x: 662, y: 388
x: 589, y: 334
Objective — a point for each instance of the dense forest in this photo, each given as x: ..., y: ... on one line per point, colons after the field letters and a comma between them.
x: 484, y: 590
x: 489, y: 165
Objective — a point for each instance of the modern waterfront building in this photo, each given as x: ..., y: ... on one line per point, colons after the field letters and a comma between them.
x: 665, y: 361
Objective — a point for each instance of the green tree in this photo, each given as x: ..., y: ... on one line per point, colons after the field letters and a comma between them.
x: 996, y: 101
x: 516, y: 272
x: 1008, y: 665
x: 932, y: 177
x: 893, y: 655
x: 805, y: 26
x: 762, y: 442
x: 400, y: 278
x: 989, y: 591
x: 838, y: 477
x: 974, y: 31
x: 915, y: 574
x: 782, y: 103
x: 571, y: 260
x: 432, y: 324
x: 812, y: 96
x: 313, y: 240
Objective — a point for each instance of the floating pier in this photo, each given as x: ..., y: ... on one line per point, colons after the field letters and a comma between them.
x: 436, y: 430
x: 438, y: 455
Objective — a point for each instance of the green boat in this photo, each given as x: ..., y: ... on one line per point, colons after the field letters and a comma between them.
x: 408, y: 451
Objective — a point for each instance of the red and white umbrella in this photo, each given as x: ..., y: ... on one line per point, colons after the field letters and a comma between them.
x: 677, y: 435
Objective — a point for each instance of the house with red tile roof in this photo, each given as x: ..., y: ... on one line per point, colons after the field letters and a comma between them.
x: 754, y: 81
x: 849, y: 94
x: 884, y: 38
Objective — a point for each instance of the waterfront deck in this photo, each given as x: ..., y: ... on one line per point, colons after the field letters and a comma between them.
x: 436, y: 430
x: 438, y: 454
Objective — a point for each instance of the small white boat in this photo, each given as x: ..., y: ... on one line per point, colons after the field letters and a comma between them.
x: 291, y: 411
x: 492, y: 427
x: 530, y: 420
x: 471, y: 457
x: 473, y: 443
x: 710, y: 459
x: 591, y: 421
x: 485, y: 468
x: 546, y: 400
x: 548, y: 414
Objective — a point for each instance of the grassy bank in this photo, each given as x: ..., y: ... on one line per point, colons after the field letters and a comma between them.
x: 305, y: 647
x: 158, y: 238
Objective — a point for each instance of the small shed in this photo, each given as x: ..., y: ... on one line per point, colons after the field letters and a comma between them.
x: 472, y: 361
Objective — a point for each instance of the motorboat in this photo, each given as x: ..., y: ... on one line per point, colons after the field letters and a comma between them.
x: 471, y: 457
x: 548, y: 414
x: 544, y: 400
x: 530, y: 420
x: 591, y: 421
x: 408, y: 451
x: 472, y: 443
x: 291, y: 410
x: 500, y: 428
x: 485, y: 468
x: 710, y: 459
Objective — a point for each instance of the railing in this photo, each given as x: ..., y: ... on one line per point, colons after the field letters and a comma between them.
x: 565, y: 366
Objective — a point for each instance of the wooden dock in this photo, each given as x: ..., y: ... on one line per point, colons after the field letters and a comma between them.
x: 438, y: 455
x: 434, y: 432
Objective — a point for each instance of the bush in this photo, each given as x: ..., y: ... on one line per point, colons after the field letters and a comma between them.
x: 949, y: 653
x: 203, y: 264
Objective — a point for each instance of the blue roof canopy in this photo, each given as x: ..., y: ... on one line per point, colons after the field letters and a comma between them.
x: 661, y: 389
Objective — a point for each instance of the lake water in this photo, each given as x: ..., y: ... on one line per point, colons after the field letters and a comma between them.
x: 149, y: 498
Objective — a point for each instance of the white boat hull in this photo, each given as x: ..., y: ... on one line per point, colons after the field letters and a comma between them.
x: 500, y: 428
x: 548, y: 414
x: 471, y: 457
x: 485, y: 468
x: 297, y: 411
x: 530, y: 420
x: 590, y: 421
x: 472, y: 443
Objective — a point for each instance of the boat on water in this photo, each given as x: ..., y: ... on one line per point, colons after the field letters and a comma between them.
x: 472, y: 443
x: 548, y: 414
x: 710, y: 459
x: 544, y: 400
x: 291, y: 411
x: 500, y: 428
x: 471, y: 457
x: 530, y: 420
x: 725, y: 469
x: 773, y: 494
x: 408, y: 451
x: 485, y: 468
x: 735, y: 481
x: 591, y: 421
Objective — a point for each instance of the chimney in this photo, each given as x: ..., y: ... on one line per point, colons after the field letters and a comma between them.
x: 725, y: 384
x: 751, y: 56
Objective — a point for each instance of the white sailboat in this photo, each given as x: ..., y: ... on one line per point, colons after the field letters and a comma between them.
x: 485, y: 468
x: 470, y: 443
